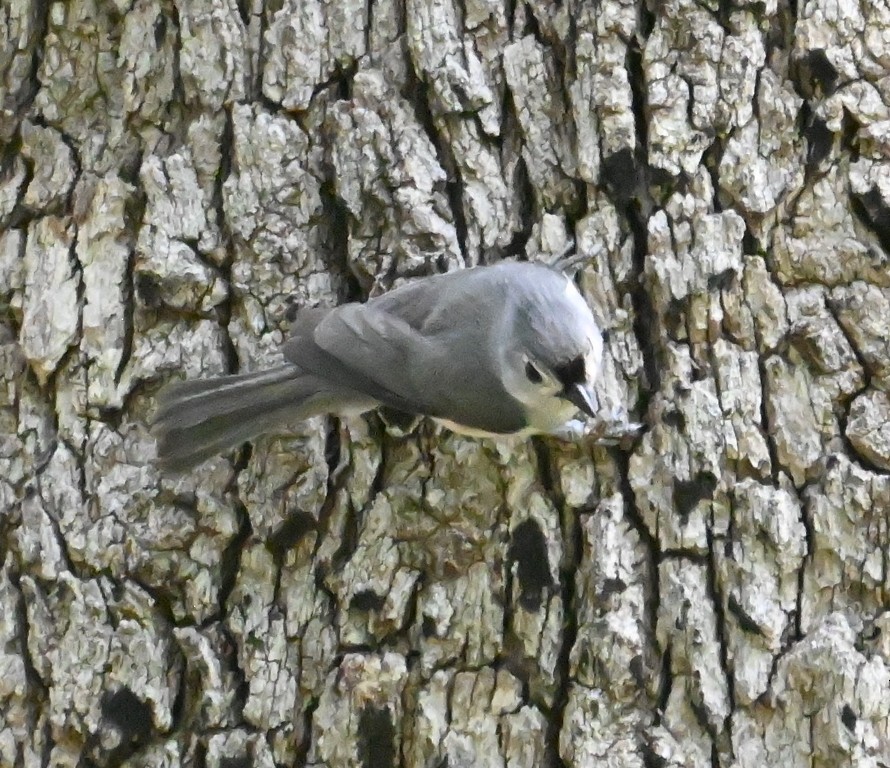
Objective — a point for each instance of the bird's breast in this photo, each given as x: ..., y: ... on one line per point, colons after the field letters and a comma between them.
x: 547, y: 416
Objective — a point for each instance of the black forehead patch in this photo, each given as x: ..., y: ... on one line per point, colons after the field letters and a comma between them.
x: 572, y: 372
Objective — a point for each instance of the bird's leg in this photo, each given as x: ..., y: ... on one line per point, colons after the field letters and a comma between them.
x: 571, y: 430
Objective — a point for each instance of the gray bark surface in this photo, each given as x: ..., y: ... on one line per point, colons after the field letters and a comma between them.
x: 177, y: 177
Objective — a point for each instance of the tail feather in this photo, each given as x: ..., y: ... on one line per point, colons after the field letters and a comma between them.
x: 187, y: 403
x: 199, y: 419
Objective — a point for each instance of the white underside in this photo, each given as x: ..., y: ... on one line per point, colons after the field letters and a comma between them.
x: 460, y: 429
x: 552, y: 420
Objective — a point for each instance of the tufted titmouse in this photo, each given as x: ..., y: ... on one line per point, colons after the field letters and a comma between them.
x: 509, y: 349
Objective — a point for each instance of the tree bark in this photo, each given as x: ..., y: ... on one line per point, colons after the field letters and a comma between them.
x: 178, y: 177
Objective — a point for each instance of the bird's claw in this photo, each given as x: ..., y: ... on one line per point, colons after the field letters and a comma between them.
x: 607, y: 432
x: 612, y: 430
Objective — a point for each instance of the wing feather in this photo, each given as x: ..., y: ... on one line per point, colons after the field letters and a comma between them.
x: 424, y: 348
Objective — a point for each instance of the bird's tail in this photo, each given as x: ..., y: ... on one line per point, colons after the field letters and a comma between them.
x: 199, y: 419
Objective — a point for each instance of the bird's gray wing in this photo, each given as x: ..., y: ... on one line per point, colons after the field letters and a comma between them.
x: 367, y: 351
x: 423, y: 348
x: 302, y: 350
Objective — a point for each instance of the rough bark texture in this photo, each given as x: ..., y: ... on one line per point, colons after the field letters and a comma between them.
x: 176, y: 176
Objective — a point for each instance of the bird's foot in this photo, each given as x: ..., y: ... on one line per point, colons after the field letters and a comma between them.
x: 613, y: 429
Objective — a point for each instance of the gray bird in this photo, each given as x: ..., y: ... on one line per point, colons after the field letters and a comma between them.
x: 509, y: 349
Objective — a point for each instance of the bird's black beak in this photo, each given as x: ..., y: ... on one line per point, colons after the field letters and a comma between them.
x: 579, y: 395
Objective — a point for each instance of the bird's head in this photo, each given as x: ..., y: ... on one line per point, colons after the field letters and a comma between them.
x: 558, y: 350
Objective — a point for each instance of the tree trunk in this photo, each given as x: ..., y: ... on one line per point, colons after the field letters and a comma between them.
x: 177, y: 177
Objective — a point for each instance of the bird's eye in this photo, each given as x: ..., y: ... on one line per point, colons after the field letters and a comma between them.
x: 533, y: 374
